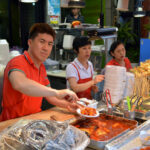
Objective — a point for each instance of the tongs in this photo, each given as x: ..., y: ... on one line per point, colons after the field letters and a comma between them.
x: 136, y: 101
x: 106, y: 98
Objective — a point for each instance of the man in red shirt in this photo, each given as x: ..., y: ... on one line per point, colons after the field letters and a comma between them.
x: 118, y: 52
x: 25, y: 78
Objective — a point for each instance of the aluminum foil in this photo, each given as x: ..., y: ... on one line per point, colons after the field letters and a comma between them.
x: 43, y: 135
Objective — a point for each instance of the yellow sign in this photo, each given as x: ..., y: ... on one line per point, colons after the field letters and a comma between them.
x: 54, y: 19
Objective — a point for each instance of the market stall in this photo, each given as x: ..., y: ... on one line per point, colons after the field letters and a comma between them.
x: 67, y: 50
x: 64, y: 116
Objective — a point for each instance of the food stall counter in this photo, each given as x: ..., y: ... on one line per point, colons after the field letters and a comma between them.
x: 54, y: 113
x: 57, y: 73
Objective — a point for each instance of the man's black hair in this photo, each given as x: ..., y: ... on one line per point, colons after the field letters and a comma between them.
x: 41, y: 28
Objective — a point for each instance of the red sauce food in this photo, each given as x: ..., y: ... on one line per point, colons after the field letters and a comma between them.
x: 103, y: 128
x: 145, y: 148
x: 75, y: 23
x: 88, y: 111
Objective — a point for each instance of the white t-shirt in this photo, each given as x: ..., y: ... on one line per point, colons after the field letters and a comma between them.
x: 71, y: 71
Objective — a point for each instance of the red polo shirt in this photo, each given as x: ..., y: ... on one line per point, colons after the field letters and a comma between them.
x: 14, y: 103
x: 115, y: 63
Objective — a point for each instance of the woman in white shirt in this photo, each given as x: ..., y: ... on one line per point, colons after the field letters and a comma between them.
x: 79, y: 73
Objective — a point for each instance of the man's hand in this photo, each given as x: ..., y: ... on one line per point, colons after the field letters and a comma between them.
x: 98, y: 78
x: 67, y: 95
x: 72, y: 107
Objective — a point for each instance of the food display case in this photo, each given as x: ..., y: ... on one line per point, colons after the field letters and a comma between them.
x: 142, y: 88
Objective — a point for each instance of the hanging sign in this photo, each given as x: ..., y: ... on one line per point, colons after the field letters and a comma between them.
x: 54, y: 7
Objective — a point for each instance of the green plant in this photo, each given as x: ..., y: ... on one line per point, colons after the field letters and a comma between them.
x: 147, y: 27
x: 92, y: 11
x: 130, y: 40
x: 125, y: 33
x: 133, y: 54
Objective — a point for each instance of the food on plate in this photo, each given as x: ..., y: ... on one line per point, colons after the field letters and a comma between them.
x: 88, y: 111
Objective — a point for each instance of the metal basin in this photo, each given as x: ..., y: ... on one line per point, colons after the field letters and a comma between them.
x: 140, y: 120
x: 101, y: 144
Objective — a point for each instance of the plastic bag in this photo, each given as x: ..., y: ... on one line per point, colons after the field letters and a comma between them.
x: 43, y: 135
x: 145, y: 138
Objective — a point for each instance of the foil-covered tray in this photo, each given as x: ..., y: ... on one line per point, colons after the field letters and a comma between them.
x: 43, y: 135
x: 130, y: 140
x: 101, y: 144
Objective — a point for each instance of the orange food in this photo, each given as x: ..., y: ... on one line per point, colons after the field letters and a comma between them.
x: 145, y: 148
x: 75, y: 23
x: 88, y: 111
x: 147, y: 138
x: 103, y: 128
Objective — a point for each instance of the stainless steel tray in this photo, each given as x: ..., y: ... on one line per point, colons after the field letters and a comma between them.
x: 145, y: 115
x: 99, y: 145
x: 138, y: 115
x: 129, y: 140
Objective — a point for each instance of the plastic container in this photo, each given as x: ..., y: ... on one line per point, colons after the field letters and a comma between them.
x: 145, y: 138
x: 129, y: 114
x: 67, y: 41
x: 91, y: 103
x: 51, y: 65
x: 4, y: 52
x: 13, y: 54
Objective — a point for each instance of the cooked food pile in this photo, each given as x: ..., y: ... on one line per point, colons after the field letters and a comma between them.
x: 143, y: 69
x: 142, y: 79
x: 75, y: 23
x: 145, y: 148
x: 104, y: 127
x: 88, y: 111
